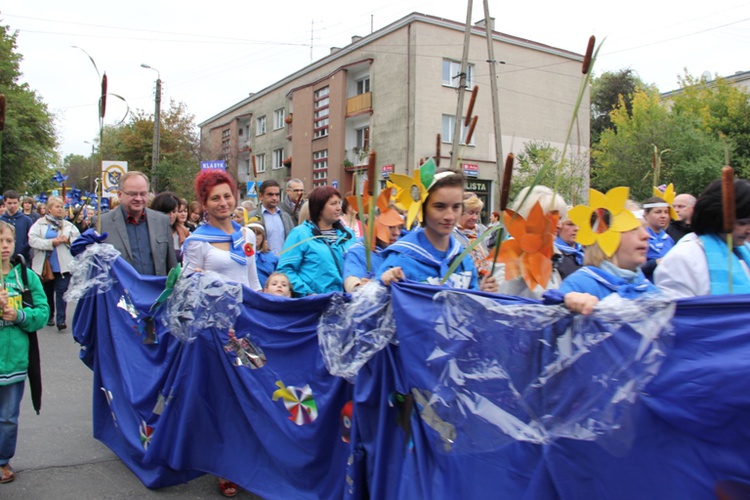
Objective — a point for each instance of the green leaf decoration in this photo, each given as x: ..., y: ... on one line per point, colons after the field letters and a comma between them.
x: 427, y: 173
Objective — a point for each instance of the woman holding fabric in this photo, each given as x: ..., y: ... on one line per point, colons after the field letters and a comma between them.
x: 18, y: 319
x: 50, y: 238
x: 313, y: 254
x: 221, y: 245
x: 699, y: 264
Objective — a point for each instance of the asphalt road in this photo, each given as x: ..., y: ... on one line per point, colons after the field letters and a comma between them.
x: 57, y: 456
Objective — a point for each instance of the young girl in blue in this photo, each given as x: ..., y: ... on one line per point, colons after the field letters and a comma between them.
x: 615, y: 271
x: 426, y: 254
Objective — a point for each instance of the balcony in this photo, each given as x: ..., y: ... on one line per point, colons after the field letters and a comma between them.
x: 356, y: 158
x: 361, y: 103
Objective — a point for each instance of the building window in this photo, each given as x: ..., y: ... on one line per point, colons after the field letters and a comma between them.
x: 260, y: 125
x: 363, y: 86
x: 321, y: 111
x: 278, y: 158
x: 446, y: 131
x: 363, y: 139
x: 452, y: 74
x: 260, y: 163
x: 320, y: 168
x: 278, y: 118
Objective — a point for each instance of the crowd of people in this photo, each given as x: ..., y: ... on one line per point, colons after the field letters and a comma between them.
x: 303, y: 244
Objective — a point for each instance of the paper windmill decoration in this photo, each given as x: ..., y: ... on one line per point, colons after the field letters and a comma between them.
x: 388, y: 217
x: 146, y: 432
x: 604, y: 220
x: 668, y: 196
x: 298, y: 401
x: 59, y: 177
x: 352, y: 199
x: 529, y: 252
x: 412, y: 191
x: 42, y: 198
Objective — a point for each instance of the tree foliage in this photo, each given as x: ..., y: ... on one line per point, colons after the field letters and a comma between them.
x: 178, y: 158
x: 29, y: 139
x: 607, y: 92
x: 543, y: 163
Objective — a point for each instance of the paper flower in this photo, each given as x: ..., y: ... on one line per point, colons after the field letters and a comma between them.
x: 249, y: 250
x: 298, y: 401
x: 604, y: 220
x: 668, y: 196
x: 412, y: 192
x: 529, y: 252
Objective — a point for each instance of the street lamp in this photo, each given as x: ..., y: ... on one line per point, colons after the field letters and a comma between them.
x: 157, y: 112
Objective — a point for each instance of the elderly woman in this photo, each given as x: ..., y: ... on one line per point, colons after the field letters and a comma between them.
x: 50, y: 238
x: 316, y: 265
x: 699, y: 263
x: 468, y: 229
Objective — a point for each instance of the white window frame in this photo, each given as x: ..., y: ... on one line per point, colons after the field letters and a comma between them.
x: 260, y: 125
x: 278, y: 158
x: 363, y: 85
x: 448, y: 123
x: 278, y: 118
x: 260, y: 163
x: 451, y: 70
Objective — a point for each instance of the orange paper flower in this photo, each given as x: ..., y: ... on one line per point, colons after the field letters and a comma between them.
x: 529, y: 252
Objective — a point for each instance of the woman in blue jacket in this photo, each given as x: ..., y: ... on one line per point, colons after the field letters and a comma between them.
x: 313, y: 254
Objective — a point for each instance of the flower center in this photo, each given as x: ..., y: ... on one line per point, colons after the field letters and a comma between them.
x: 416, y: 195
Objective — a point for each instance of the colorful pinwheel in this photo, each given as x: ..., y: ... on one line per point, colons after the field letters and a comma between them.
x: 59, y: 177
x: 604, y: 220
x: 298, y: 401
x: 668, y: 196
x: 146, y: 432
x: 412, y: 192
x: 529, y: 252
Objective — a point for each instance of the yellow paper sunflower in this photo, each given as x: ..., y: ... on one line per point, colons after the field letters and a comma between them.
x: 412, y: 191
x: 612, y: 218
x: 668, y: 196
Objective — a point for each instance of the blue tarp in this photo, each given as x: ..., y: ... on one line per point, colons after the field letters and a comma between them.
x: 172, y: 410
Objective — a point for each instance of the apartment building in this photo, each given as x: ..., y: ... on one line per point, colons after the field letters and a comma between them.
x: 395, y: 92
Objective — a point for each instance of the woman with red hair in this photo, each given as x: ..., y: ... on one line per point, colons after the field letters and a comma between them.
x: 221, y: 245
x: 313, y: 255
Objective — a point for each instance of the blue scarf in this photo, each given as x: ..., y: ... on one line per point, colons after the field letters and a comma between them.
x: 212, y: 234
x: 576, y: 251
x: 658, y: 244
x: 717, y: 256
x: 627, y: 284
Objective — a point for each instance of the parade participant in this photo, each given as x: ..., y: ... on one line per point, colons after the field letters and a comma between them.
x: 278, y: 284
x: 683, y: 205
x: 388, y: 227
x: 168, y: 203
x: 572, y: 252
x: 50, y: 238
x: 616, y: 246
x: 195, y: 214
x: 293, y: 201
x: 426, y: 254
x: 220, y: 245
x: 182, y: 215
x: 41, y: 209
x: 18, y: 220
x: 141, y: 235
x: 656, y: 213
x: 349, y: 217
x: 277, y: 223
x: 313, y: 256
x: 699, y: 263
x: 468, y: 229
x: 18, y: 320
x: 265, y: 260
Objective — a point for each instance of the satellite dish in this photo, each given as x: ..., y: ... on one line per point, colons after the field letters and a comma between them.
x: 707, y: 76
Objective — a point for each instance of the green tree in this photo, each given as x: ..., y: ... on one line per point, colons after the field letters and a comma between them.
x: 540, y: 157
x: 606, y: 92
x: 178, y: 145
x: 29, y: 139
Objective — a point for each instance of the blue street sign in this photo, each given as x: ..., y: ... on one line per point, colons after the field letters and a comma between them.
x: 215, y: 164
x: 251, y: 191
x: 335, y: 184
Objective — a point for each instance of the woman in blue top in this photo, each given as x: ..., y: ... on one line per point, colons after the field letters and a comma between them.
x: 265, y: 260
x: 426, y: 254
x: 656, y: 214
x: 313, y: 254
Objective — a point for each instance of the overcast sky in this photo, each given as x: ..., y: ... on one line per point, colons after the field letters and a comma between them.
x: 211, y: 55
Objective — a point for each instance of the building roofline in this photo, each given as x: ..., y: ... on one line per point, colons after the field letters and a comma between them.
x: 414, y: 17
x: 739, y: 75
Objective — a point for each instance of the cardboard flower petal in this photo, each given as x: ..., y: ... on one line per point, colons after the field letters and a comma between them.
x: 604, y: 220
x: 388, y: 217
x: 529, y: 252
x: 413, y: 191
x: 668, y: 196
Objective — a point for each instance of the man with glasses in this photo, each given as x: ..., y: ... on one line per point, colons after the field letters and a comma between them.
x: 295, y: 191
x: 277, y: 222
x: 143, y: 236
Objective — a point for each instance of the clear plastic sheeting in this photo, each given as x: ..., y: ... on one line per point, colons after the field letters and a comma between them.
x: 536, y: 373
x: 354, y: 328
x: 91, y: 270
x: 200, y: 301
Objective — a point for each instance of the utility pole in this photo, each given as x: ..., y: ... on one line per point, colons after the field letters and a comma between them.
x: 461, y: 90
x: 495, y: 98
x: 157, y: 123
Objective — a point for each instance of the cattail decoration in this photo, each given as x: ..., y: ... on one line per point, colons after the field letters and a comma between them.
x: 471, y: 105
x: 589, y: 53
x: 471, y: 129
x: 370, y: 171
x: 437, y: 152
x: 2, y: 112
x: 507, y: 174
x: 255, y: 169
x: 103, y: 101
x: 727, y: 198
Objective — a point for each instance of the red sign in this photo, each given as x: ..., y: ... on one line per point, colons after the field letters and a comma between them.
x: 387, y: 169
x: 470, y: 169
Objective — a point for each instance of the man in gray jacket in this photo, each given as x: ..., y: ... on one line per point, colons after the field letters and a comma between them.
x: 143, y: 236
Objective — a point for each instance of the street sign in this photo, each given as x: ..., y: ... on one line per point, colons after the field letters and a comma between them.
x: 470, y: 169
x: 214, y: 165
x: 387, y: 170
x: 251, y: 191
x: 335, y: 184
